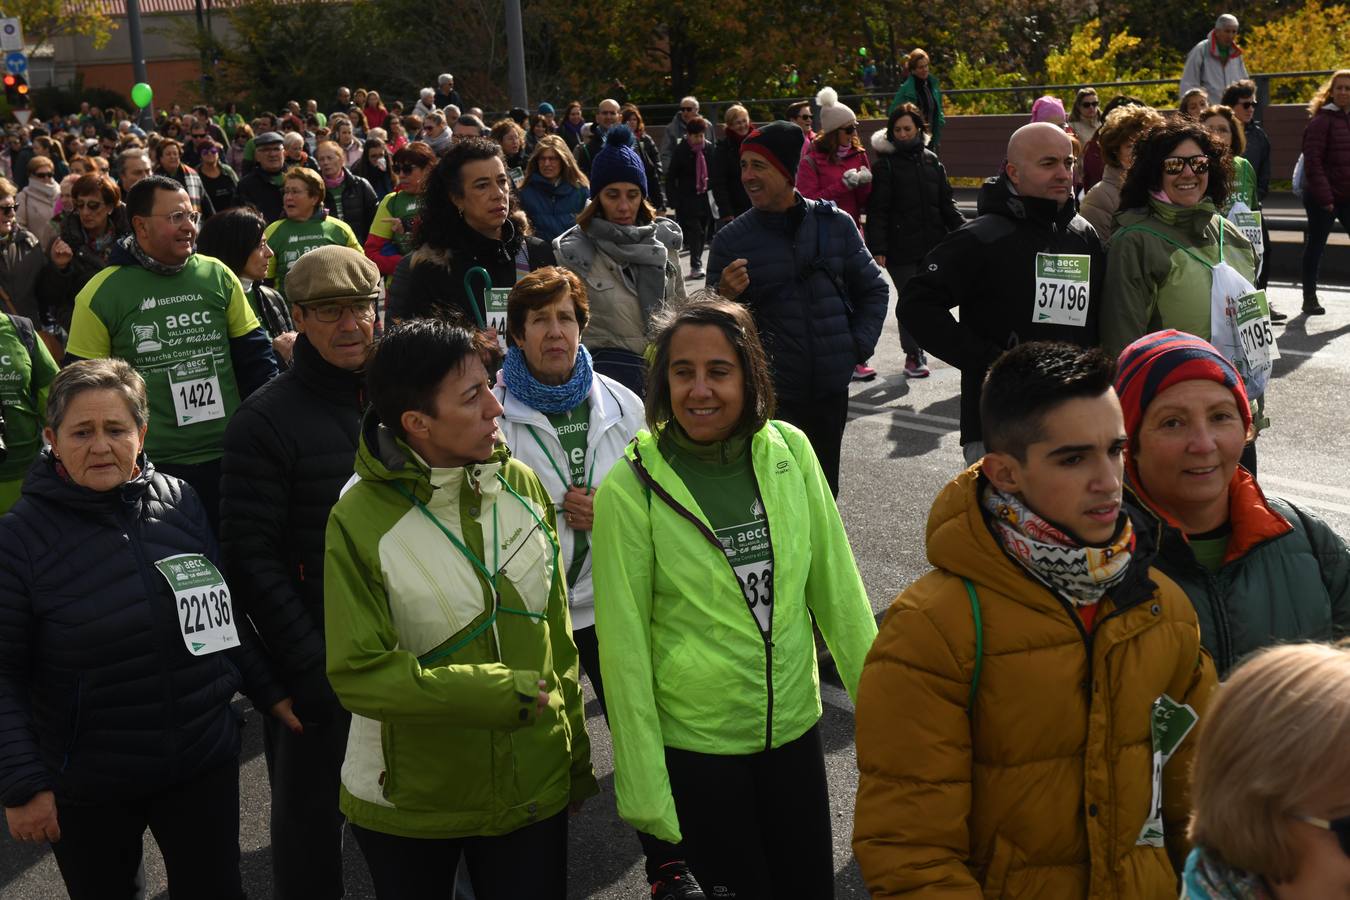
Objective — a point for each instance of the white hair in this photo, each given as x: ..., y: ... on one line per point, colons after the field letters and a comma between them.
x: 442, y: 79
x: 693, y: 100
x: 427, y: 92
x: 1227, y: 20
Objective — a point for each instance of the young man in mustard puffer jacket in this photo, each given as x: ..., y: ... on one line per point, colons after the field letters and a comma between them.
x: 1022, y: 716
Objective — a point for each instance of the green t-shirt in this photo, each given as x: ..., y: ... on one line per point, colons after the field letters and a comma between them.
x: 291, y: 240
x: 403, y: 206
x: 175, y: 330
x: 24, y: 378
x: 1211, y: 547
x: 721, y: 479
x: 573, y: 430
x: 335, y: 199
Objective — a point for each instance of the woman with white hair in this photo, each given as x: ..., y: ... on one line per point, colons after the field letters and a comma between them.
x: 426, y: 103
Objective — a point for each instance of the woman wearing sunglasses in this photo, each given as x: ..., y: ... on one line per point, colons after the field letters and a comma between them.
x: 37, y: 201
x: 97, y: 219
x: 1271, y: 783
x: 218, y: 179
x: 1083, y: 117
x: 396, y: 217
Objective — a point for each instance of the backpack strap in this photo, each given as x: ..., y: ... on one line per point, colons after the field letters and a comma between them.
x: 24, y: 326
x: 979, y: 644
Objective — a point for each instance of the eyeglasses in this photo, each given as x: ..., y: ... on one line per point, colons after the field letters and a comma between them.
x: 406, y: 169
x: 1173, y: 165
x: 328, y: 313
x: 91, y: 205
x: 1339, y: 827
x: 198, y: 135
x: 295, y: 192
x: 805, y: 117
x: 44, y: 175
x: 177, y: 217
x: 209, y: 151
x: 9, y: 209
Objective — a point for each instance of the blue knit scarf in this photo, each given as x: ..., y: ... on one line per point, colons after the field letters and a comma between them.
x: 547, y: 398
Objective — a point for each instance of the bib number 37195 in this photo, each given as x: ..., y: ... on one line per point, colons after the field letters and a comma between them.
x: 205, y: 610
x: 1063, y: 289
x: 195, y: 387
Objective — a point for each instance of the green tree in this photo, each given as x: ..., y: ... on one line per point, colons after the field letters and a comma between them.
x: 1311, y: 37
x: 45, y: 19
x: 1089, y: 59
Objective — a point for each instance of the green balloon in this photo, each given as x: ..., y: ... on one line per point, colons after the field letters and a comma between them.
x: 142, y: 94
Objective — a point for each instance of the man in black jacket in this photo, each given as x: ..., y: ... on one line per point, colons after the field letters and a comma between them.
x: 288, y: 451
x: 1029, y: 268
x: 261, y: 187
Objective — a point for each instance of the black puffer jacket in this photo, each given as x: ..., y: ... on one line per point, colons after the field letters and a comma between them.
x: 725, y: 175
x: 100, y: 699
x: 813, y: 335
x: 58, y: 288
x: 988, y: 269
x: 288, y: 450
x: 911, y: 208
x: 358, y: 204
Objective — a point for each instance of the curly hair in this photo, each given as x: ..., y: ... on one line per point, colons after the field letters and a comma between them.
x: 1122, y: 125
x: 441, y: 219
x: 1145, y: 175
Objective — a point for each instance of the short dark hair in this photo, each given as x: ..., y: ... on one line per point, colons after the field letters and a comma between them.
x: 94, y: 183
x: 409, y: 363
x: 472, y: 121
x: 905, y: 109
x: 231, y: 236
x: 1145, y: 175
x: 141, y: 197
x: 707, y: 307
x: 1238, y: 90
x: 441, y: 220
x: 795, y: 109
x: 1029, y: 381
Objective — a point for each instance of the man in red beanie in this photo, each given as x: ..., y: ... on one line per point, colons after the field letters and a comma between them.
x: 817, y: 320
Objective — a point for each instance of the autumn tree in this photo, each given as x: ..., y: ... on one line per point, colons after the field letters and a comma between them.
x: 1309, y: 38
x: 45, y: 19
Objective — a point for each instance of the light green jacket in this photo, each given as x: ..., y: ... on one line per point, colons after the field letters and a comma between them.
x: 441, y: 677
x: 685, y: 663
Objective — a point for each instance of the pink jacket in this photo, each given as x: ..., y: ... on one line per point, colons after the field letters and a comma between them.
x: 820, y: 176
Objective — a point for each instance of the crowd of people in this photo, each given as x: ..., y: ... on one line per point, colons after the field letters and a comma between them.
x: 400, y: 423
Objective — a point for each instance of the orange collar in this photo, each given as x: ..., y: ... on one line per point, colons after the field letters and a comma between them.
x: 1250, y: 518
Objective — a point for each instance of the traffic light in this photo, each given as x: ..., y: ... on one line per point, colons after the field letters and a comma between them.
x: 16, y: 89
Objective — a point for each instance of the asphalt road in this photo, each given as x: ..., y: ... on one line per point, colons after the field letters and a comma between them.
x: 900, y: 448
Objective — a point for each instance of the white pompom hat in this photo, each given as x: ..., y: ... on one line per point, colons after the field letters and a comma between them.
x: 833, y: 114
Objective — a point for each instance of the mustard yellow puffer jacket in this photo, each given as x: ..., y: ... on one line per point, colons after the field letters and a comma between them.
x: 1043, y: 789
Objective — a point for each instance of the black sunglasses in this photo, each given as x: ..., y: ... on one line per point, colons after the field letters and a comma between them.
x: 406, y: 169
x: 1339, y: 827
x: 1246, y: 104
x: 1089, y: 104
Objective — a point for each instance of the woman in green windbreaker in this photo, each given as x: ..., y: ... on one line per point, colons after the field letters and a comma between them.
x: 921, y: 89
x: 715, y: 543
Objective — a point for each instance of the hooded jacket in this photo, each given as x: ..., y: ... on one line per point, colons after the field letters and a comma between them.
x: 820, y: 176
x: 911, y: 208
x: 685, y: 662
x: 1285, y: 577
x: 1164, y: 282
x: 989, y: 270
x: 440, y: 666
x: 552, y: 208
x: 100, y: 699
x: 1326, y: 156
x: 1040, y: 784
x: 817, y: 296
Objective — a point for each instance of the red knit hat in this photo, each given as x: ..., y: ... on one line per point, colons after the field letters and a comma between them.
x: 1157, y: 361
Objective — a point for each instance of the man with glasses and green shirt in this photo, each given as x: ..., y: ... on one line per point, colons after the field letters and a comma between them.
x: 288, y: 451
x: 182, y: 320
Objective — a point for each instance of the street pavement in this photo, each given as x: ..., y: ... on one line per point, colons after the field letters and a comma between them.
x: 901, y: 446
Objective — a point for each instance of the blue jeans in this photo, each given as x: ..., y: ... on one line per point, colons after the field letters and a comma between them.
x: 1319, y: 229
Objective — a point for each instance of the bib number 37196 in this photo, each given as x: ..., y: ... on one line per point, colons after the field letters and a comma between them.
x: 205, y: 610
x: 1063, y: 289
x: 196, y: 391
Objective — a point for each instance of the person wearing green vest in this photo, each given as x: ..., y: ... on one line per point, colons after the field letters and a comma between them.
x: 307, y: 225
x: 399, y: 211
x: 26, y: 371
x: 921, y: 89
x: 448, y: 636
x: 182, y: 321
x: 716, y: 543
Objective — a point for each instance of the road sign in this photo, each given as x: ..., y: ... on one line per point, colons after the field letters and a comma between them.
x: 16, y: 63
x: 11, y: 34
x: 22, y: 115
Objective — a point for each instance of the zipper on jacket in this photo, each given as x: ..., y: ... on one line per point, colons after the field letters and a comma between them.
x: 149, y: 576
x: 645, y: 477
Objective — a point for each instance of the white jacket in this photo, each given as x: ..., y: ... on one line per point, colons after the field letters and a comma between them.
x: 616, y: 416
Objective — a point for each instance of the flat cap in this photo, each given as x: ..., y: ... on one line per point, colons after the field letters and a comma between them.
x: 332, y: 273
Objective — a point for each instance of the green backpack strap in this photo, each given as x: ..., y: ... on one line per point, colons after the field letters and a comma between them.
x: 979, y: 643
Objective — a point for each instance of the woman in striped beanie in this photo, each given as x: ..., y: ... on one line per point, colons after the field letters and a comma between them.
x: 1259, y: 570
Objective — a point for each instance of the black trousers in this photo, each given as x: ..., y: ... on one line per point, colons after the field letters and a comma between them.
x: 205, y: 480
x: 305, y: 771
x: 657, y: 851
x: 823, y: 421
x: 196, y: 825
x: 695, y: 228
x: 757, y: 826
x: 530, y: 862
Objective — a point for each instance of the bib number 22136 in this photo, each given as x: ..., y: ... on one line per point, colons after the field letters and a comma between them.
x: 202, y: 601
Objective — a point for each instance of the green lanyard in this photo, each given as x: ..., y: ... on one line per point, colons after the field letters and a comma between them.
x: 567, y: 482
x: 481, y: 567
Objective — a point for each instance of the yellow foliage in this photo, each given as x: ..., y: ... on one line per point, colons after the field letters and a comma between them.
x: 1312, y: 37
x: 1089, y: 60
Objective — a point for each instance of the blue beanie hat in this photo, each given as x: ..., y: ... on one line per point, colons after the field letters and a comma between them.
x: 617, y: 161
x: 545, y: 109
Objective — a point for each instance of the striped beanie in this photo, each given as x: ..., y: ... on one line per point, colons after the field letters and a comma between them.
x: 1159, y: 360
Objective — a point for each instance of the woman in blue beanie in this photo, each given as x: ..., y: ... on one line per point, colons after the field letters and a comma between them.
x: 628, y: 257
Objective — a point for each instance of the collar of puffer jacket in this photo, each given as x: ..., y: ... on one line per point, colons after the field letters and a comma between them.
x: 48, y: 480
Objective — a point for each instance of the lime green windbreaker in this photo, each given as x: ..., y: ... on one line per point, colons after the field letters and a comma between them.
x: 685, y: 663
x: 440, y: 675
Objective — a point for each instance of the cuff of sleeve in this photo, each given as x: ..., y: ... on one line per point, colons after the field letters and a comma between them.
x: 527, y: 692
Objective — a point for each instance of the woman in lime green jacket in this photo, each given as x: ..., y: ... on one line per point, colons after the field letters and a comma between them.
x: 715, y: 544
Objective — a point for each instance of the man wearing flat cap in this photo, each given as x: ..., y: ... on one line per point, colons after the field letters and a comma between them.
x: 261, y: 187
x: 288, y: 451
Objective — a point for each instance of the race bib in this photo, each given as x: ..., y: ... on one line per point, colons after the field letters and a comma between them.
x: 495, y: 308
x: 1169, y: 724
x: 195, y: 388
x: 205, y: 611
x: 1249, y: 223
x: 1063, y: 286
x: 1258, y: 338
x: 517, y: 176
x: 757, y: 584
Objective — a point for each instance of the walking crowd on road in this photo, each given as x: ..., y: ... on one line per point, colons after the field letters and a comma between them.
x: 402, y: 423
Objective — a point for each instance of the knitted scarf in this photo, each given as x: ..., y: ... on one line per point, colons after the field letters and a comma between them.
x: 641, y: 257
x: 700, y: 168
x: 1082, y: 574
x: 547, y: 398
x: 129, y: 244
x: 1208, y: 878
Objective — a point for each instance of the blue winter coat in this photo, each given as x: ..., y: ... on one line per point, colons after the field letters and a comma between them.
x: 552, y: 208
x: 99, y: 698
x: 813, y: 334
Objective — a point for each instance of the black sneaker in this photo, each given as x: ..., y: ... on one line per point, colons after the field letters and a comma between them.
x: 674, y: 881
x: 1277, y: 316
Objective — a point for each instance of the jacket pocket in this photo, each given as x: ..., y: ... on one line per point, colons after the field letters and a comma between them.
x: 437, y: 768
